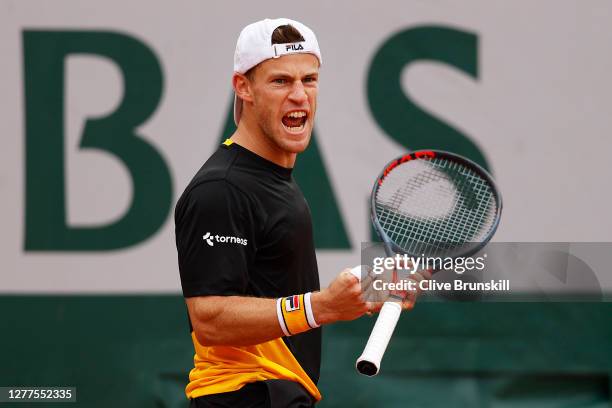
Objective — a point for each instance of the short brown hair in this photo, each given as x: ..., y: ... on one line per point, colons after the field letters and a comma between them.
x: 284, y: 34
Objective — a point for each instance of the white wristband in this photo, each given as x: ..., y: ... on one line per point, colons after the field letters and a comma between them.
x: 309, y: 315
x: 281, y: 319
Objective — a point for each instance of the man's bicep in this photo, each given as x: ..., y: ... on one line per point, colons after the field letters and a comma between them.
x: 214, y: 241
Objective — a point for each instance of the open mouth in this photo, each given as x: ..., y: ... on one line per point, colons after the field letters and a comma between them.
x: 295, y: 121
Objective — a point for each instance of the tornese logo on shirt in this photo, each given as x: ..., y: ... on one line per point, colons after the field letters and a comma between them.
x: 211, y: 239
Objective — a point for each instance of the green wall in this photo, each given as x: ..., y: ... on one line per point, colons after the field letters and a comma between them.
x: 135, y: 351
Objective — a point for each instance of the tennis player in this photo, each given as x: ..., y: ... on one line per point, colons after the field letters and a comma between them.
x: 244, y: 237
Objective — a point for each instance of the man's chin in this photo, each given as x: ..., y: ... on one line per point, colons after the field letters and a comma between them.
x: 294, y: 143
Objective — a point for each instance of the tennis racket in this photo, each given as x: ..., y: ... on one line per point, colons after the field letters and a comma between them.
x: 428, y: 204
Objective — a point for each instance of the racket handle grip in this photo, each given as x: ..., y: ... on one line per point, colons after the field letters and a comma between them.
x: 369, y: 361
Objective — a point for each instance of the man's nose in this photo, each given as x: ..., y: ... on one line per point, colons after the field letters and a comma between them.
x: 298, y: 93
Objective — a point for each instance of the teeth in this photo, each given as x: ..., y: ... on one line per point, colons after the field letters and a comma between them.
x: 294, y: 128
x: 297, y: 114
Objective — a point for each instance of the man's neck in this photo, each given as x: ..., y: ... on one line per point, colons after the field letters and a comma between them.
x: 253, y: 139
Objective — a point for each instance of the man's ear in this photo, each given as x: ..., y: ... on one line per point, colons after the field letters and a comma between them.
x: 242, y: 87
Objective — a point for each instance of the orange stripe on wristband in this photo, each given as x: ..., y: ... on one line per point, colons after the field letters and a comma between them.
x: 294, y: 313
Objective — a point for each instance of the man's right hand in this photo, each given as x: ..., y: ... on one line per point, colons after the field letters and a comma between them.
x: 341, y: 300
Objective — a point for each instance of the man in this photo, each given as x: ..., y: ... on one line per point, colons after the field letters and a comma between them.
x: 244, y: 237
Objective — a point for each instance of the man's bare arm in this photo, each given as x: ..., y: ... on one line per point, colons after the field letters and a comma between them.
x: 242, y: 321
x: 233, y: 320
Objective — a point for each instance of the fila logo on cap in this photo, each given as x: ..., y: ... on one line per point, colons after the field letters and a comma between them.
x: 294, y: 47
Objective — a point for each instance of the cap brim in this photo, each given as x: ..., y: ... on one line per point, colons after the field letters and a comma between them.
x: 237, y: 109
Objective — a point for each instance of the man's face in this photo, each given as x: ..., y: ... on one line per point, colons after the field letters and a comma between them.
x: 284, y: 92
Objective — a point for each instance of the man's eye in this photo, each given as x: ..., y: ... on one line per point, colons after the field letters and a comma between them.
x: 280, y: 81
x: 309, y: 79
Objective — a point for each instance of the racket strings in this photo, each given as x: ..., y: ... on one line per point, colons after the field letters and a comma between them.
x: 435, y: 205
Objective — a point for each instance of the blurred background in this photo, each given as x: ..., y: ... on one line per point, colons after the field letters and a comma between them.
x: 109, y: 108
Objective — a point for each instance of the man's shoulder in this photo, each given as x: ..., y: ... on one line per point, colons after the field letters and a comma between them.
x: 217, y: 167
x: 220, y: 167
x: 214, y: 180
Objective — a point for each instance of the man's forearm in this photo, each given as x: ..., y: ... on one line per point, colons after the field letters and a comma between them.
x: 243, y: 321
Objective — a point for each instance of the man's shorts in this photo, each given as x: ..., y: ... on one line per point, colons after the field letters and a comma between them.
x: 260, y: 394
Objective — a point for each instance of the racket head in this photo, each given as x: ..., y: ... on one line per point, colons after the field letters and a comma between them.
x: 435, y: 203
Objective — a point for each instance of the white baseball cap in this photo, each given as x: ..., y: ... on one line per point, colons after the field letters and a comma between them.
x: 254, y: 46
